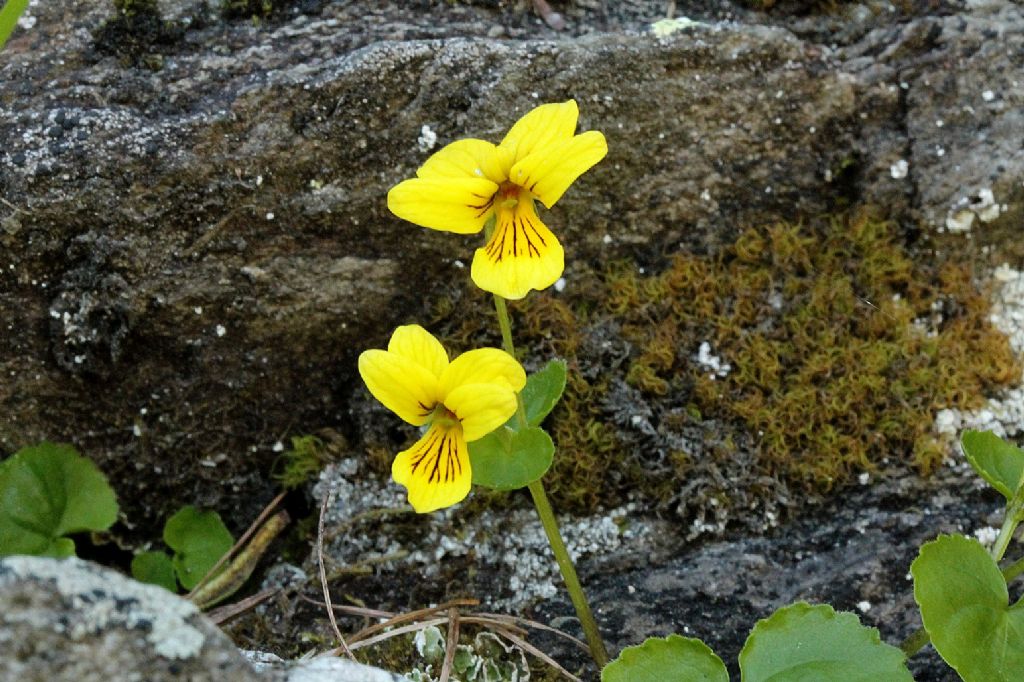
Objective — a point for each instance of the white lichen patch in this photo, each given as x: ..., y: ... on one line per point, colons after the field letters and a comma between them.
x: 510, y: 544
x: 1002, y: 414
x: 100, y: 600
x: 706, y: 359
x: 666, y: 27
x: 986, y: 535
x: 981, y: 206
x: 427, y: 139
x: 28, y: 20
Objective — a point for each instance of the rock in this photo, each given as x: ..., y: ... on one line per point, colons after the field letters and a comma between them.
x: 321, y: 670
x: 193, y: 271
x: 958, y: 82
x: 73, y: 620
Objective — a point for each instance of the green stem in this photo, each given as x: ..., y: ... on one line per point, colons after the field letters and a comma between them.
x: 550, y: 523
x: 1013, y: 570
x: 1010, y: 524
x: 504, y: 322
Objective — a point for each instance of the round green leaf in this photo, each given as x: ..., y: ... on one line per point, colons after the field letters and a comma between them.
x: 507, y: 460
x: 155, y: 568
x: 965, y: 608
x: 804, y: 643
x: 541, y: 393
x: 675, y: 658
x: 46, y: 492
x: 199, y: 540
x: 998, y: 462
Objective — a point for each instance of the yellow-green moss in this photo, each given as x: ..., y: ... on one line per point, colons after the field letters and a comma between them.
x: 302, y: 462
x: 830, y: 372
x: 838, y: 359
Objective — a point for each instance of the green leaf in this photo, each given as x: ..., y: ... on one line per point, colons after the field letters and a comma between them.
x: 155, y: 568
x: 46, y: 492
x: 199, y: 540
x: 675, y: 658
x: 965, y: 608
x: 12, y: 9
x: 998, y: 462
x: 541, y: 393
x: 804, y: 643
x: 506, y: 460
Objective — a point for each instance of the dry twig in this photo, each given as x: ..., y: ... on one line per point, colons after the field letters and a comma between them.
x: 225, y: 613
x: 449, y: 646
x: 234, y: 548
x: 323, y: 574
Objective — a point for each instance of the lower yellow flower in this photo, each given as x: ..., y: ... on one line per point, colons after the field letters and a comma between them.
x: 461, y: 401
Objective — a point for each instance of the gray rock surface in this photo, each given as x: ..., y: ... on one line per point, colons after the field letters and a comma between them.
x: 195, y: 245
x: 73, y: 620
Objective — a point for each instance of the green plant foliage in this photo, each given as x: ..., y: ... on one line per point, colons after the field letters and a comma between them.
x: 998, y: 462
x: 508, y: 460
x: 155, y: 568
x: 804, y: 643
x: 248, y: 8
x: 541, y: 393
x: 9, y: 14
x: 676, y: 658
x: 965, y: 607
x: 199, y: 540
x: 303, y: 462
x: 486, y: 659
x: 48, y: 491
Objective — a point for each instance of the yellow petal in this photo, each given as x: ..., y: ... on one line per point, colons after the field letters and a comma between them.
x: 467, y: 158
x: 550, y: 170
x: 483, y: 366
x: 481, y: 408
x: 405, y: 387
x: 541, y: 127
x: 417, y: 344
x: 435, y: 469
x: 522, y: 254
x: 459, y: 205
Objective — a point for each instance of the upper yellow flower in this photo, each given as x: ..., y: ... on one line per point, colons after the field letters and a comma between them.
x: 462, y: 186
x: 462, y: 400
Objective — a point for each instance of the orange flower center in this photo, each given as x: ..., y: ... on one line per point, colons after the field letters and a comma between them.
x: 444, y: 417
x: 508, y: 195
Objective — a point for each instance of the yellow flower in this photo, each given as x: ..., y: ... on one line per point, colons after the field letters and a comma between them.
x: 461, y: 401
x: 462, y: 186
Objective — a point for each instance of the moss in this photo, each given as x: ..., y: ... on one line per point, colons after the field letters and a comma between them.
x: 233, y: 9
x: 839, y: 360
x: 137, y: 34
x: 830, y: 370
x: 302, y: 463
x: 131, y: 8
x: 262, y: 9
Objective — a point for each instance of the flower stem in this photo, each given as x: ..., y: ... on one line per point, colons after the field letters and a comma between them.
x: 1010, y: 524
x: 550, y: 523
